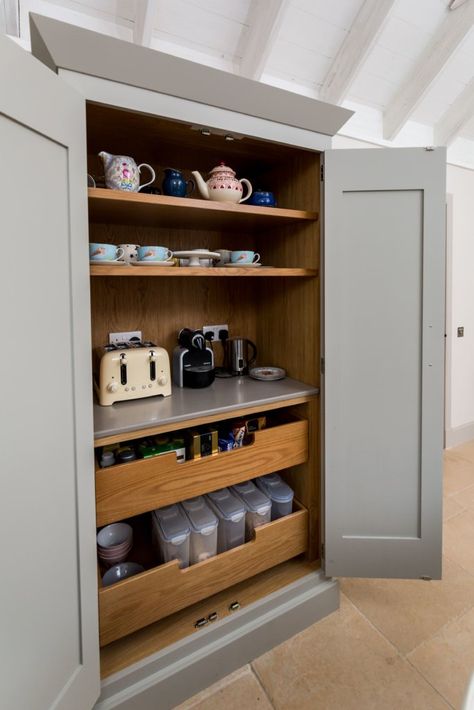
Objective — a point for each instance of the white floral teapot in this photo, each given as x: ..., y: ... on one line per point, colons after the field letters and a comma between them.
x: 122, y: 172
x: 222, y: 185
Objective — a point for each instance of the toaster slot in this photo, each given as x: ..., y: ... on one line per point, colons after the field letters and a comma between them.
x: 152, y: 365
x: 123, y: 369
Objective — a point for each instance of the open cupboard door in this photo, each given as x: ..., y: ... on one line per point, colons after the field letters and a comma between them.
x: 48, y: 598
x: 384, y: 251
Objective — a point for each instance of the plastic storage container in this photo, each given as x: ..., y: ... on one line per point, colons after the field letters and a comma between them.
x: 171, y: 533
x: 203, y: 523
x: 258, y: 506
x: 279, y: 492
x: 230, y: 511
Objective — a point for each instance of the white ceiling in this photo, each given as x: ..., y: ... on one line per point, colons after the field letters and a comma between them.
x: 407, y: 65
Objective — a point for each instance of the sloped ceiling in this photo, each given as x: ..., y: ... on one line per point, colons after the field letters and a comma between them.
x: 405, y: 66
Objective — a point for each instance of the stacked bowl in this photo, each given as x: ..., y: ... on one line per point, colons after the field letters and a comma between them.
x: 114, y: 542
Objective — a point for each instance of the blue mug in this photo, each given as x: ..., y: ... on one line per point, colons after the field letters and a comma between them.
x: 262, y: 198
x: 104, y: 252
x: 154, y: 254
x: 175, y: 185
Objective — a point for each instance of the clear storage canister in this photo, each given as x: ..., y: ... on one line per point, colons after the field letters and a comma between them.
x: 231, y: 513
x: 203, y: 523
x: 279, y: 492
x: 258, y: 506
x: 170, y: 534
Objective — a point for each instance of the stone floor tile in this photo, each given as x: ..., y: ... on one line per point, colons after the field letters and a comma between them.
x: 458, y: 540
x: 238, y: 691
x: 409, y: 611
x: 343, y: 662
x: 447, y: 660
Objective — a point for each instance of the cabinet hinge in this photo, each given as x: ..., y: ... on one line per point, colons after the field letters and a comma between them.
x: 323, y: 366
x: 429, y: 148
x: 322, y: 173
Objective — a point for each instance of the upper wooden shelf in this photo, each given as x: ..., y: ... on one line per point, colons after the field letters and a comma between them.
x: 115, y: 206
x: 177, y: 271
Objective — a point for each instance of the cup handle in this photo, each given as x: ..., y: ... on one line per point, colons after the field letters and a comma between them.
x: 90, y: 181
x: 119, y: 256
x: 190, y: 182
x: 170, y: 255
x: 257, y: 259
x: 145, y: 165
x: 249, y: 189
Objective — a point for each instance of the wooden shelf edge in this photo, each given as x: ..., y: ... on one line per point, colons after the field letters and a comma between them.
x: 185, y: 271
x: 101, y: 195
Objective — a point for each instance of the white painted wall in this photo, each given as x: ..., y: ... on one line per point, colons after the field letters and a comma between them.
x: 460, y: 376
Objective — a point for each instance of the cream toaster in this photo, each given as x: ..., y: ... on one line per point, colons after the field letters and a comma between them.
x: 130, y: 371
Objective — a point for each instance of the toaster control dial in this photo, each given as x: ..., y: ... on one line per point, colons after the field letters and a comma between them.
x: 112, y: 387
x: 162, y: 380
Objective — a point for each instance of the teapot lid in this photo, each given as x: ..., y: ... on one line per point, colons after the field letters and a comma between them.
x: 222, y: 168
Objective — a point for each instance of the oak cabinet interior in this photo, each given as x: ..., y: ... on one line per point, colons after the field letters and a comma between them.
x: 279, y: 313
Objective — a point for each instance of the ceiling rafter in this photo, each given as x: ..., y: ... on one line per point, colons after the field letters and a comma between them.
x: 357, y: 45
x: 456, y: 117
x: 265, y: 19
x: 144, y: 22
x: 433, y: 59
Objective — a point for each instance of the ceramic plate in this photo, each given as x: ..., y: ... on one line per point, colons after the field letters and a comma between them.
x: 108, y: 262
x: 153, y: 263
x: 242, y: 266
x: 267, y: 373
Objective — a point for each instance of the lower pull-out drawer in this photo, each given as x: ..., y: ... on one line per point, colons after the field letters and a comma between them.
x: 152, y: 595
x: 136, y: 487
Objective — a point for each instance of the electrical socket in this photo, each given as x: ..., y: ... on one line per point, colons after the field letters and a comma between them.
x: 115, y: 338
x: 215, y: 330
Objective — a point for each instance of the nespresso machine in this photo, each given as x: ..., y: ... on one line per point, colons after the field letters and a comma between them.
x: 193, y: 360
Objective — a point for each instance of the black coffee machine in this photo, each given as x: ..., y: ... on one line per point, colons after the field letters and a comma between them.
x: 193, y: 360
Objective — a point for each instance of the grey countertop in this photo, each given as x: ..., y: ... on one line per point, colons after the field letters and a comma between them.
x: 222, y: 397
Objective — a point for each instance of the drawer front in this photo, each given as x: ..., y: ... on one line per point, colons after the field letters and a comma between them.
x: 133, y: 488
x: 136, y: 602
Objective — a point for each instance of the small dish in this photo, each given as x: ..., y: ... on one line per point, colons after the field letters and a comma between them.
x: 195, y: 254
x: 267, y: 373
x: 115, y: 535
x: 152, y: 263
x: 123, y: 571
x: 243, y: 266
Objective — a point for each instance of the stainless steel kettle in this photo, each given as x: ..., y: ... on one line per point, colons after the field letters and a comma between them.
x: 238, y: 360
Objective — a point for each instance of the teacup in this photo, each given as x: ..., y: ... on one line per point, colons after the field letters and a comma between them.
x: 154, y: 254
x: 225, y: 256
x: 244, y: 257
x: 104, y: 252
x: 130, y: 252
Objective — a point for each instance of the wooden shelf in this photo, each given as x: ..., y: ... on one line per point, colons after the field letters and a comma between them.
x: 116, y: 206
x: 264, y: 271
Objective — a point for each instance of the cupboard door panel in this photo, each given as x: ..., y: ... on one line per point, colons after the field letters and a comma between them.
x: 384, y: 361
x: 49, y: 638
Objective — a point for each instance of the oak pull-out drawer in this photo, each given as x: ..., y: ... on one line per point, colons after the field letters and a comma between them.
x: 152, y: 595
x: 139, y: 486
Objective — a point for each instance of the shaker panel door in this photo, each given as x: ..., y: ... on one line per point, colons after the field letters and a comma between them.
x: 384, y: 252
x: 48, y: 594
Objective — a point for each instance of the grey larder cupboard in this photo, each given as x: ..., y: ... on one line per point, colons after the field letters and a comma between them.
x: 381, y: 387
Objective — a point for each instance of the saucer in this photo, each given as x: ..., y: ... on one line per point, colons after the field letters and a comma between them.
x: 108, y: 262
x: 244, y: 266
x: 152, y: 263
x: 267, y: 373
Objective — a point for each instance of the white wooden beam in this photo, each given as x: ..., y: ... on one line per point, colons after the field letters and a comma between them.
x: 359, y: 41
x: 456, y: 117
x: 447, y: 39
x: 265, y: 19
x: 144, y: 22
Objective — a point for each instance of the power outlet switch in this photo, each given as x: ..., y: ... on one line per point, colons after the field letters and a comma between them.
x: 115, y: 338
x: 215, y: 330
x: 461, y: 331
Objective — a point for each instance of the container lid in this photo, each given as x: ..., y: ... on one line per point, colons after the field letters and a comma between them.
x: 255, y: 501
x: 275, y: 488
x: 172, y: 524
x: 227, y: 505
x: 200, y: 516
